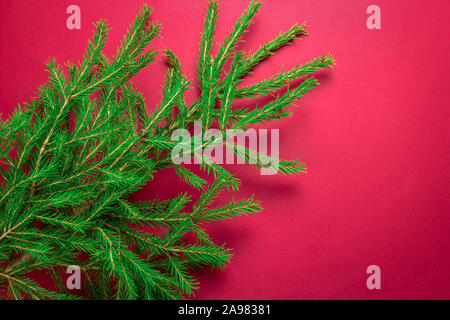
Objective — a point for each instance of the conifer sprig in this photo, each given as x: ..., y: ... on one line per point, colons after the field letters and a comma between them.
x: 70, y: 159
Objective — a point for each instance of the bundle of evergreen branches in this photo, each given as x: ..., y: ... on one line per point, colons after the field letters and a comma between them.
x: 72, y: 156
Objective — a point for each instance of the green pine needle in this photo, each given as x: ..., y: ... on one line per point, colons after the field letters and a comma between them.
x: 70, y: 159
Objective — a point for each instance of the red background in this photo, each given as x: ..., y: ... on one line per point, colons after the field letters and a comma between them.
x: 374, y: 135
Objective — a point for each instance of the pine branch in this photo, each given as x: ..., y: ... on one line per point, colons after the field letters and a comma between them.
x: 71, y: 158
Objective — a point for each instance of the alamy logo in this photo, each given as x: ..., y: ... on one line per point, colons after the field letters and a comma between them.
x: 374, y: 20
x: 74, y: 20
x: 213, y: 147
x: 74, y: 280
x: 374, y: 280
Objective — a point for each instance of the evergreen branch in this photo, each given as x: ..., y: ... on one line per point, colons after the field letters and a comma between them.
x: 71, y: 158
x: 276, y: 109
x: 283, y: 78
x: 232, y: 209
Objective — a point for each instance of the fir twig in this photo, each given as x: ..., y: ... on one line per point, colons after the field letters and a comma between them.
x: 71, y: 157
